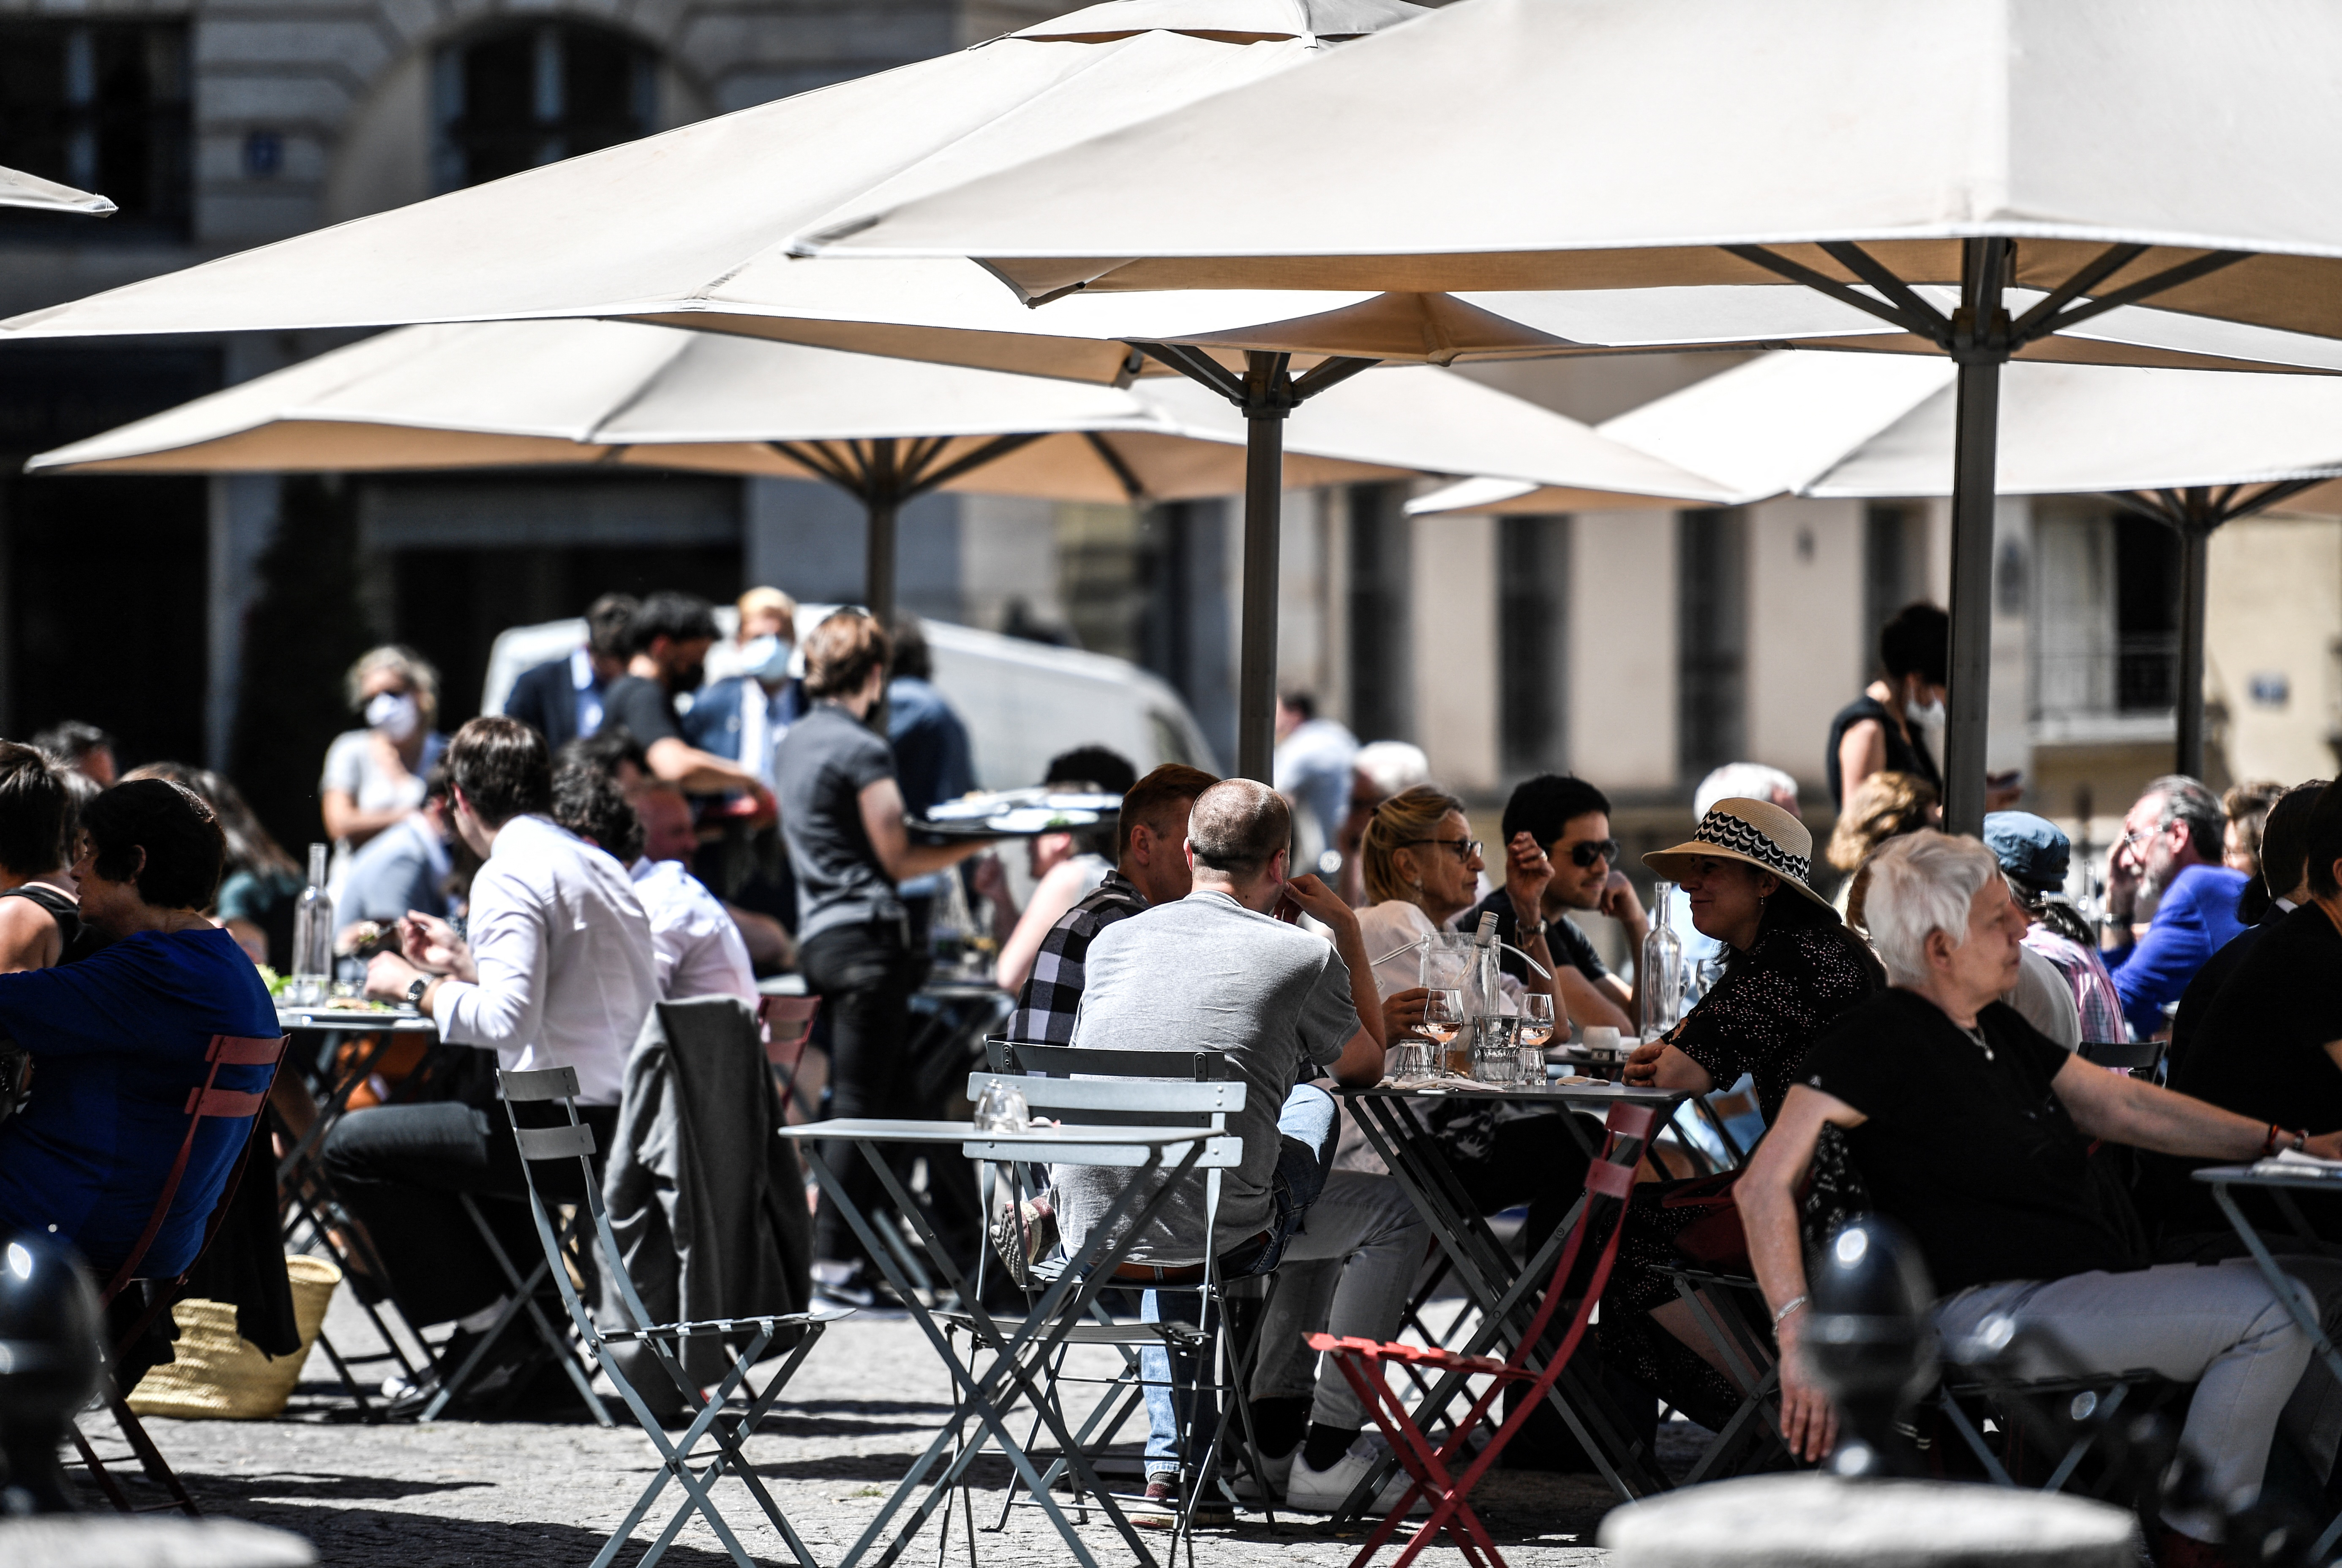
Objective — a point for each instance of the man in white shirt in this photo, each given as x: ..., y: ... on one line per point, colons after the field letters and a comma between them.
x: 556, y: 970
x: 698, y: 950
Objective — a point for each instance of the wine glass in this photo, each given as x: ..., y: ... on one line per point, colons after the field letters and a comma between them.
x: 1443, y: 1018
x: 1536, y: 1029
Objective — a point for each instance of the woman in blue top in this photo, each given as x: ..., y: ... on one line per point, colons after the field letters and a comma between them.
x: 118, y: 1039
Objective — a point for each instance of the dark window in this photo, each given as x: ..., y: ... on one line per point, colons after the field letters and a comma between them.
x: 2146, y: 615
x: 1894, y: 571
x: 1380, y: 595
x: 1533, y: 591
x: 516, y: 98
x: 1711, y: 639
x: 101, y: 106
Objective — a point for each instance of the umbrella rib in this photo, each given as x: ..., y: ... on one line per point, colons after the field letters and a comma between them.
x: 2169, y: 278
x: 2109, y: 262
x: 821, y: 461
x: 2156, y: 505
x: 998, y: 446
x: 1123, y: 472
x: 1875, y: 273
x: 1329, y: 373
x: 2284, y: 490
x: 1197, y: 365
x: 1821, y: 282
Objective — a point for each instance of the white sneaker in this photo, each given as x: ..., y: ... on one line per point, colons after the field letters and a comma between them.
x: 1323, y: 1490
x: 1279, y: 1469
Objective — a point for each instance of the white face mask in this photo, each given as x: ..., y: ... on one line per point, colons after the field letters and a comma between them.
x: 1927, y: 715
x: 768, y: 658
x: 395, y: 713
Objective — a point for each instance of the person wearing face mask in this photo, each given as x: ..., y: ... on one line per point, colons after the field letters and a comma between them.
x: 1881, y: 730
x: 670, y: 636
x: 742, y: 717
x: 374, y: 776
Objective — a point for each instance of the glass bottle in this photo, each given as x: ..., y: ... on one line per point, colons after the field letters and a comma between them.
x: 1662, y: 970
x: 313, y: 938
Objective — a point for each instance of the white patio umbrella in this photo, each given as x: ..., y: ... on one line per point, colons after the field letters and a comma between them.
x: 526, y: 393
x: 19, y: 189
x: 2191, y: 449
x: 2050, y: 163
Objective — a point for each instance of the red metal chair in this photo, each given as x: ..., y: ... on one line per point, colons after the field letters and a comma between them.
x: 212, y: 1102
x: 1611, y: 1178
x: 787, y: 1025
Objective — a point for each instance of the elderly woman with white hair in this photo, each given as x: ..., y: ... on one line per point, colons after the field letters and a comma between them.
x: 1973, y: 1132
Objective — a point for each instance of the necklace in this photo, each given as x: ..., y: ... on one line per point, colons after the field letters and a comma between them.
x: 1976, y: 1035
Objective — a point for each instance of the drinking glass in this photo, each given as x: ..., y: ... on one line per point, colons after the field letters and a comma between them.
x: 1414, y: 1063
x: 1495, y: 1050
x: 1001, y: 1109
x: 1443, y: 1016
x: 1537, y: 1019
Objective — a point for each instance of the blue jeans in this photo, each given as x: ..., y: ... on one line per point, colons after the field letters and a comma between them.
x: 1306, y: 1126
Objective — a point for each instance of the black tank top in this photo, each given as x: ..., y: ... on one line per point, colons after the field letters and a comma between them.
x: 63, y: 910
x: 1903, y: 756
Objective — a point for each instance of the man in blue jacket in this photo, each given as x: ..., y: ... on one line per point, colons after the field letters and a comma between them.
x: 2167, y: 866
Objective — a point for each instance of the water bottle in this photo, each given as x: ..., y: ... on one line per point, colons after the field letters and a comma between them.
x: 1662, y: 970
x: 313, y: 938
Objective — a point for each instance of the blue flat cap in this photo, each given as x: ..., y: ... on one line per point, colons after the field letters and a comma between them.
x: 2031, y: 849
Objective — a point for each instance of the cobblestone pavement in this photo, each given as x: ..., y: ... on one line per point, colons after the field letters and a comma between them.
x: 866, y: 1402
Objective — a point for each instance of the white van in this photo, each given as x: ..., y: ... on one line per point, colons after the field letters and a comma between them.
x: 1024, y: 702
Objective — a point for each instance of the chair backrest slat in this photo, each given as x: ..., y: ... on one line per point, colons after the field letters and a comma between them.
x: 539, y: 1083
x: 244, y: 1051
x: 231, y: 1103
x: 1221, y: 1153
x: 1170, y: 1103
x: 572, y: 1142
x: 1033, y: 1058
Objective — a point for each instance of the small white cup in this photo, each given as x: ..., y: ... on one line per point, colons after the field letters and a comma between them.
x: 1598, y: 1038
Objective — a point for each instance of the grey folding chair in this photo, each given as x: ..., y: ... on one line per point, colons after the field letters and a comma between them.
x: 747, y: 1339
x: 1139, y: 1088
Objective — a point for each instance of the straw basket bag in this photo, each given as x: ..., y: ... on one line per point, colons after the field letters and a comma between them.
x: 220, y: 1375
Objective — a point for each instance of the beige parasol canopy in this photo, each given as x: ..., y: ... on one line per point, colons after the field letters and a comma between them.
x: 2056, y: 163
x: 510, y: 394
x: 2192, y: 449
x: 19, y: 189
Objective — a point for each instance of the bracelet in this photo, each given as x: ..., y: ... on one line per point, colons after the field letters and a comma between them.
x: 1528, y: 933
x: 1786, y: 1308
x: 2300, y: 1141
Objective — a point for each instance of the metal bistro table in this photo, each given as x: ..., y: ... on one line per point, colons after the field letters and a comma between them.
x: 301, y: 1178
x: 2279, y: 1182
x: 1021, y: 1348
x: 1505, y: 1298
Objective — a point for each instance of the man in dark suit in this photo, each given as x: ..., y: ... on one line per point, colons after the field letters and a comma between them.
x: 563, y: 698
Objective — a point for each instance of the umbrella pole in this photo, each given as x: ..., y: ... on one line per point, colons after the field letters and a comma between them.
x: 1263, y: 522
x: 1980, y: 337
x: 2194, y: 549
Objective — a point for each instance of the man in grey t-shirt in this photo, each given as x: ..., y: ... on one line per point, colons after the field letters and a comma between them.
x: 1216, y: 972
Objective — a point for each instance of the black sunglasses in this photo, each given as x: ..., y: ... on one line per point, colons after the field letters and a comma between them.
x: 1583, y: 855
x: 1465, y: 848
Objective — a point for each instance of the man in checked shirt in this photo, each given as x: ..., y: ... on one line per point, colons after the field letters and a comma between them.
x: 1151, y: 868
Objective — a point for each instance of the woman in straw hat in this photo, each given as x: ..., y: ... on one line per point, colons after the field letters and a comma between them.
x: 1791, y: 966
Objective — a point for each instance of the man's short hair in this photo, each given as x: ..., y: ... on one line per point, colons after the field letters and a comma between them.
x: 70, y: 739
x: 1172, y: 786
x: 2323, y: 842
x: 609, y: 626
x: 1301, y: 702
x: 1917, y: 641
x: 1100, y: 765
x: 677, y: 617
x: 2285, y: 837
x: 766, y: 599
x: 1922, y: 882
x: 1544, y: 805
x: 1238, y: 826
x: 2186, y: 800
x: 185, y: 849
x: 840, y: 654
x: 1746, y: 781
x: 605, y: 748
x: 907, y: 656
x: 587, y: 802
x: 500, y: 765
x: 34, y: 807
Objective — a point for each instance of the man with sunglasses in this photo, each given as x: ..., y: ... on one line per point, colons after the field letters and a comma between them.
x: 1559, y: 823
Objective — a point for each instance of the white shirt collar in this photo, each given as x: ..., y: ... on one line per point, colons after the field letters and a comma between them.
x: 581, y: 670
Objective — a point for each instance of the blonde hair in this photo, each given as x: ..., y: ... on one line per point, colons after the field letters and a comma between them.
x: 1883, y: 807
x: 1412, y: 814
x: 760, y: 600
x: 421, y: 676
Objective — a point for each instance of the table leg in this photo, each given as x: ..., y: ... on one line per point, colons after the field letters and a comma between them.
x: 2305, y: 1319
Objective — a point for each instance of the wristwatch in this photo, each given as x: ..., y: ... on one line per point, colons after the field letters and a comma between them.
x: 1524, y: 933
x: 414, y: 990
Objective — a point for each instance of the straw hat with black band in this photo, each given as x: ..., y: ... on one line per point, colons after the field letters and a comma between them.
x: 1753, y: 832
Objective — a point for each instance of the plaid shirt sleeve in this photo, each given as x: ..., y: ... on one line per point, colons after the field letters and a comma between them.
x: 1053, y: 991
